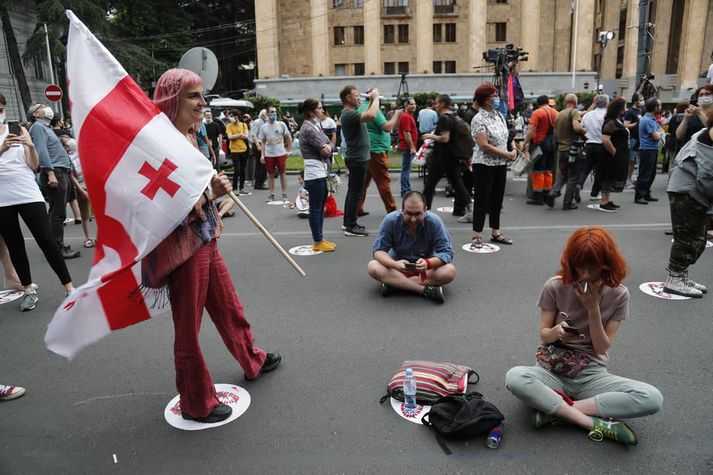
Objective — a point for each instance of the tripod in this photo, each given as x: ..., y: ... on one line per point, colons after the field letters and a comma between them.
x: 403, y: 89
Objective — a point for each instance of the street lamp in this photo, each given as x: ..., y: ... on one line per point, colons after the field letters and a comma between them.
x: 604, y: 38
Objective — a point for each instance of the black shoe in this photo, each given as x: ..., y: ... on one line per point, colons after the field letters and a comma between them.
x: 569, y: 206
x: 608, y: 207
x: 577, y: 195
x: 549, y: 200
x: 434, y: 292
x: 641, y: 201
x: 458, y: 213
x: 387, y: 290
x: 68, y: 253
x: 356, y: 231
x: 363, y: 213
x: 272, y: 361
x: 650, y: 198
x: 614, y: 205
x: 219, y: 413
x: 260, y: 187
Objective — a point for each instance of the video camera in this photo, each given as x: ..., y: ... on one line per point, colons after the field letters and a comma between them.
x: 505, y: 55
x: 648, y: 76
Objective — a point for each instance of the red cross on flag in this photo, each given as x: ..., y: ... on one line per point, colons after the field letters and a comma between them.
x: 143, y: 178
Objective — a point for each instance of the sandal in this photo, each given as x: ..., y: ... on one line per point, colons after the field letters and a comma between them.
x: 500, y: 239
x: 89, y: 243
x: 476, y: 243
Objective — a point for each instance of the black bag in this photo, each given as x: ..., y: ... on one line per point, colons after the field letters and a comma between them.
x: 461, y: 143
x: 462, y: 416
x: 549, y: 143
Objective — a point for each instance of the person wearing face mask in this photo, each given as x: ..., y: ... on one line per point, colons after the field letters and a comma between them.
x: 695, y: 116
x: 490, y: 159
x: 581, y: 310
x: 650, y: 133
x: 413, y: 251
x: 55, y: 167
x: 276, y: 143
x: 214, y: 130
x: 80, y: 187
x: 317, y: 151
x: 20, y: 197
x: 237, y: 133
x: 260, y: 174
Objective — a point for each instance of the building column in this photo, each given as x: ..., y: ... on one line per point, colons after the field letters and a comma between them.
x: 320, y: 38
x: 610, y: 22
x: 424, y: 38
x: 529, y: 32
x: 631, y: 42
x: 694, y: 24
x: 662, y: 31
x: 268, y: 54
x: 478, y: 15
x: 585, y: 36
x: 372, y: 37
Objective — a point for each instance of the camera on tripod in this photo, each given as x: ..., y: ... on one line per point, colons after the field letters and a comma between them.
x: 648, y: 76
x: 505, y: 55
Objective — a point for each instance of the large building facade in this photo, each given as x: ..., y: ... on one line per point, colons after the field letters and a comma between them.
x: 333, y: 38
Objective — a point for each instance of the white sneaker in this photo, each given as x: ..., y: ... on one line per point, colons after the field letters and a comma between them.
x: 466, y: 218
x: 596, y: 197
x: 10, y: 392
x: 29, y: 301
x: 695, y: 285
x: 677, y: 284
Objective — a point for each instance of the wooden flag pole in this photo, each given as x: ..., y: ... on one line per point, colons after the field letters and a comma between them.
x: 266, y: 234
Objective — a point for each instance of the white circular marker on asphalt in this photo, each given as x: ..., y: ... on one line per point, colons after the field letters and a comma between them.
x: 276, y: 203
x: 234, y: 396
x: 414, y: 415
x: 486, y: 249
x: 305, y: 250
x: 655, y: 289
x: 445, y: 209
x: 10, y: 295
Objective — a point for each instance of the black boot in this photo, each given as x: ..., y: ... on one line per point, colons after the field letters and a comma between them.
x: 537, y: 199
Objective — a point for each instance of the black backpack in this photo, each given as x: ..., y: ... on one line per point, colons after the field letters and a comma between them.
x: 461, y: 143
x: 462, y: 416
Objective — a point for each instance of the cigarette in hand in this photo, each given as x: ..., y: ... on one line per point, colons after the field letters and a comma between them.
x: 585, y: 286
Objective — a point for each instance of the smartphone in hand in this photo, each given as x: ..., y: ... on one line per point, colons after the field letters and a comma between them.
x: 13, y: 127
x: 410, y: 265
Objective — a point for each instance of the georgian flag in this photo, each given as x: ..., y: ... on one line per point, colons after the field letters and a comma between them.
x: 143, y: 177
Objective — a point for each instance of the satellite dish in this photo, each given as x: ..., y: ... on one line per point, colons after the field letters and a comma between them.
x: 203, y: 62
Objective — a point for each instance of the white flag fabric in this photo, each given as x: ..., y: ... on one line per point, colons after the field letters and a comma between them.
x: 143, y: 177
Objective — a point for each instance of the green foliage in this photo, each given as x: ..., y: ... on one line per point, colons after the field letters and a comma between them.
x: 263, y: 102
x: 584, y: 98
x: 422, y: 97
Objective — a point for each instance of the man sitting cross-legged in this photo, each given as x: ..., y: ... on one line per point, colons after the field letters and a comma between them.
x: 413, y: 251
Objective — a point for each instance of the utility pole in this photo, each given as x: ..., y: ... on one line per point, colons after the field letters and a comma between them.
x: 643, y: 54
x: 57, y: 107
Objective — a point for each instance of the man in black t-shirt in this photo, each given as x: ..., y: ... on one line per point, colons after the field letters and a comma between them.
x: 215, y: 129
x: 631, y: 120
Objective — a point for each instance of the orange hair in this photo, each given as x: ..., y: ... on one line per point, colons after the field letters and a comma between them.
x: 593, y: 247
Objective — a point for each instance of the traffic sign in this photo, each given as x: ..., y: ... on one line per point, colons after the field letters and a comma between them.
x: 53, y: 93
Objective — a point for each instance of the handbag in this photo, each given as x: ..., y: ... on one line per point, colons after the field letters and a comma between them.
x: 333, y: 179
x: 433, y: 381
x: 560, y: 360
x: 521, y: 165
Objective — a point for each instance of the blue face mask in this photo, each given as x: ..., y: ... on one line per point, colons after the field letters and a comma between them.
x: 272, y: 117
x: 496, y: 103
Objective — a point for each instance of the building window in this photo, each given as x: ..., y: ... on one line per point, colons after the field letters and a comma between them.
x: 443, y: 6
x: 339, y: 36
x: 450, y: 67
x: 39, y: 68
x: 358, y: 35
x: 437, y: 67
x: 389, y: 68
x: 450, y: 32
x: 340, y: 69
x: 338, y: 4
x: 501, y: 31
x: 358, y: 69
x: 389, y: 36
x: 396, y: 7
x: 437, y: 32
x: 620, y: 61
x: 341, y: 4
x: 497, y: 1
x: 440, y: 67
x: 403, y: 33
x: 403, y: 67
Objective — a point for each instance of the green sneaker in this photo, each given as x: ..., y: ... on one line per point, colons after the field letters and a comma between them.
x: 612, y: 430
x: 540, y: 420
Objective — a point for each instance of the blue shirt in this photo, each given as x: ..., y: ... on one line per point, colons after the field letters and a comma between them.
x: 431, y: 239
x: 647, y: 126
x: 427, y: 120
x: 49, y: 148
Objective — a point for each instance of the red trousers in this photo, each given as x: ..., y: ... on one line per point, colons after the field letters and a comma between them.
x: 201, y: 282
x: 379, y: 171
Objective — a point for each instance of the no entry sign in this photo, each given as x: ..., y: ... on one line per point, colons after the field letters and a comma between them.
x: 53, y: 93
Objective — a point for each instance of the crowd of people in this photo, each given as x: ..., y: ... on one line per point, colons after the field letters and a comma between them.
x: 472, y: 147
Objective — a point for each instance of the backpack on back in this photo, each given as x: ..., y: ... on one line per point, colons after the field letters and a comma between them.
x: 461, y: 143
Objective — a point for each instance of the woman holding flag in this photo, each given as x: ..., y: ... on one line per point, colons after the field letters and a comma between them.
x: 189, y: 262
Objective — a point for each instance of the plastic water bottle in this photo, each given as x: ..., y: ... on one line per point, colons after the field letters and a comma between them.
x: 409, y: 390
x: 495, y: 437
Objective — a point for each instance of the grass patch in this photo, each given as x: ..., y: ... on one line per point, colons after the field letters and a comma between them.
x: 295, y: 163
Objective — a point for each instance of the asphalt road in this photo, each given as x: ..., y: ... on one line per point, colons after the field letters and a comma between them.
x: 341, y: 342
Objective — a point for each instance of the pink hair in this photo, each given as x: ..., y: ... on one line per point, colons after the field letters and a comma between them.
x: 169, y: 88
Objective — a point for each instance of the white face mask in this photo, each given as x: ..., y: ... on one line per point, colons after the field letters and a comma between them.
x: 72, y: 145
x: 2, y: 117
x: 231, y: 120
x: 48, y: 113
x: 705, y: 100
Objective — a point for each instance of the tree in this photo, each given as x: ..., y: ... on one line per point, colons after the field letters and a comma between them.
x: 15, y: 59
x: 263, y: 102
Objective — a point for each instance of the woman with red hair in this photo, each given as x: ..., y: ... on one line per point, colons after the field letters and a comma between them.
x: 189, y: 262
x: 581, y: 309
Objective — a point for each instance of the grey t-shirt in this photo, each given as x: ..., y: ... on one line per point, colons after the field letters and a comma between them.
x: 356, y: 137
x: 273, y: 136
x: 558, y: 297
